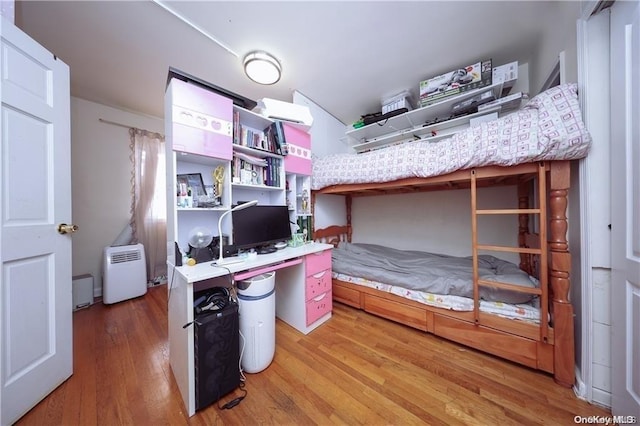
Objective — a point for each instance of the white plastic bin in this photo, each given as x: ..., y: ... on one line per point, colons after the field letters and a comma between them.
x: 257, y: 308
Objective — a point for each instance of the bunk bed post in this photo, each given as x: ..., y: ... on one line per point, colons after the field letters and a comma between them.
x: 347, y: 200
x: 523, y: 226
x: 560, y: 268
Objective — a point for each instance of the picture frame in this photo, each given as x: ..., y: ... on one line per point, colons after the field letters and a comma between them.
x: 193, y: 180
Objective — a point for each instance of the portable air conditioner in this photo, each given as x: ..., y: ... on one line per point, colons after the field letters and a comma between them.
x: 124, y: 273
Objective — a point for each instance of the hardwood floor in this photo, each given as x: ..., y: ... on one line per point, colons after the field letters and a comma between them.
x: 355, y: 369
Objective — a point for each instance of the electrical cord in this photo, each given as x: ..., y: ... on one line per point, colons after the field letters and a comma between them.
x: 229, y: 405
x: 233, y: 295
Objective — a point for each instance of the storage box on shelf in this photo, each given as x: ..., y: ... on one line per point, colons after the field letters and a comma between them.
x: 508, y: 73
x: 455, y: 82
x: 398, y: 101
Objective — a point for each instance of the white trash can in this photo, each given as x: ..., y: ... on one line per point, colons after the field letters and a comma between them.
x: 257, y: 308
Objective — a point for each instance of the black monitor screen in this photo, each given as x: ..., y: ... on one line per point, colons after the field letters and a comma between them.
x: 258, y: 226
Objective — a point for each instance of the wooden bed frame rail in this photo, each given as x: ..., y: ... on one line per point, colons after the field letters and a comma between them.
x: 544, y: 253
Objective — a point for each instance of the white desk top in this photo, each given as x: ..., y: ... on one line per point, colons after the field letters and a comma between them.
x: 206, y: 270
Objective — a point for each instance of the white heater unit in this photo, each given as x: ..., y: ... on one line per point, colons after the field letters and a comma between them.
x: 124, y: 273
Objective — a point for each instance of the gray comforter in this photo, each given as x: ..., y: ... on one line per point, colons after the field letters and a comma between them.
x: 430, y: 272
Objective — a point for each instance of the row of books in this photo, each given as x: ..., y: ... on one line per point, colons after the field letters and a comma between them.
x: 270, y: 139
x: 249, y: 173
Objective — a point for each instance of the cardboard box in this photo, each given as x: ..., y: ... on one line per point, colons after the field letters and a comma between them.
x: 401, y: 100
x: 508, y: 73
x: 455, y: 82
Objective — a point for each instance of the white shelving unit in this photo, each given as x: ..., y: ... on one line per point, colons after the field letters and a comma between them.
x: 411, y: 124
x: 181, y: 220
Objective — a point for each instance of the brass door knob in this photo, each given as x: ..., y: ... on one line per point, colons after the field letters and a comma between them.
x: 63, y: 228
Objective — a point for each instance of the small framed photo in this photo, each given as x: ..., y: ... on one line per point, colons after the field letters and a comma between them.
x: 193, y: 180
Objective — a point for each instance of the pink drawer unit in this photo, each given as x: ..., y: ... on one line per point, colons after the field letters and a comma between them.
x: 317, y: 262
x: 298, y: 159
x: 318, y: 306
x: 318, y: 283
x: 202, y: 121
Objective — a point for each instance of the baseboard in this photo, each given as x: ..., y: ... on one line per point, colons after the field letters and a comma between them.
x: 602, y: 398
x: 97, y: 292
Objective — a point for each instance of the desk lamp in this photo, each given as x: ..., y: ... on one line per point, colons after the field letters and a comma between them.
x: 220, y: 260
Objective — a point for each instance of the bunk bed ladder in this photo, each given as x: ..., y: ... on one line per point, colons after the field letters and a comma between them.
x: 541, y: 212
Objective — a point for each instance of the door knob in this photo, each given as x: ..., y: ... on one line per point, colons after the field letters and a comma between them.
x: 63, y: 228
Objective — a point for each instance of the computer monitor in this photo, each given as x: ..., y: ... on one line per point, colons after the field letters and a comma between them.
x: 260, y: 226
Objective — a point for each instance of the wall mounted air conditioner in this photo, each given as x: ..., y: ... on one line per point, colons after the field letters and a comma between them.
x: 280, y: 110
x: 124, y: 273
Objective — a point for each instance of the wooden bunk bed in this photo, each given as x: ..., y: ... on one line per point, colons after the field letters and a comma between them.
x: 542, y: 190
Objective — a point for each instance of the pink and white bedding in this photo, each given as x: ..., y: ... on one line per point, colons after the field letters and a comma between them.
x: 549, y: 127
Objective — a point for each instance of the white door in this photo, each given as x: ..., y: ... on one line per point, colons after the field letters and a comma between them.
x: 35, y: 184
x: 625, y: 226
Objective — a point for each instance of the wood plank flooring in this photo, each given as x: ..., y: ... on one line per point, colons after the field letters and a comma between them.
x: 355, y: 369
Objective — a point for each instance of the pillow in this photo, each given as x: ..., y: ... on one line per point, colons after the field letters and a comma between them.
x: 560, y: 121
x: 507, y: 296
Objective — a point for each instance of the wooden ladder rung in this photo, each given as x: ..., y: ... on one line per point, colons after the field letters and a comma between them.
x: 508, y: 211
x: 514, y: 287
x: 509, y: 249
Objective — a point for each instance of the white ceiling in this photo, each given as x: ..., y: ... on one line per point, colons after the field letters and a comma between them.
x: 345, y: 56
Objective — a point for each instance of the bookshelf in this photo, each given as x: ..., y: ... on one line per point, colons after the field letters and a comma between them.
x: 237, y: 152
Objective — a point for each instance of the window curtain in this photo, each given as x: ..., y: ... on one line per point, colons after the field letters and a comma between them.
x: 148, y: 195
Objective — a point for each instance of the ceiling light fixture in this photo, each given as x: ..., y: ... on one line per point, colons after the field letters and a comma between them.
x: 262, y: 68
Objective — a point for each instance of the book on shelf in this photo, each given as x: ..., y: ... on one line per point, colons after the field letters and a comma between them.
x: 305, y: 223
x: 274, y: 134
x: 247, y: 136
x: 249, y: 173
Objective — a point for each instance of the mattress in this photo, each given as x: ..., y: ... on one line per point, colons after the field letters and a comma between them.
x: 548, y: 127
x: 529, y: 312
x: 438, y: 280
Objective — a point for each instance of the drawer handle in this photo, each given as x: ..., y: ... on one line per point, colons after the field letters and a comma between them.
x: 319, y: 274
x: 319, y: 298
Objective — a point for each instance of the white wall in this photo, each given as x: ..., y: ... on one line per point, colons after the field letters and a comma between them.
x: 436, y: 221
x: 100, y: 173
x: 326, y: 129
x: 559, y: 35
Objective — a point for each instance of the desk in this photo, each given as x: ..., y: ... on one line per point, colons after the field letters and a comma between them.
x: 294, y: 266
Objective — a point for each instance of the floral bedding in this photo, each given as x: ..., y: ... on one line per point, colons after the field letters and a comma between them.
x: 529, y: 312
x: 548, y: 127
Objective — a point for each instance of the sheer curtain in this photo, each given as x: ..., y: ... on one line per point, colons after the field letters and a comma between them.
x: 148, y: 200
